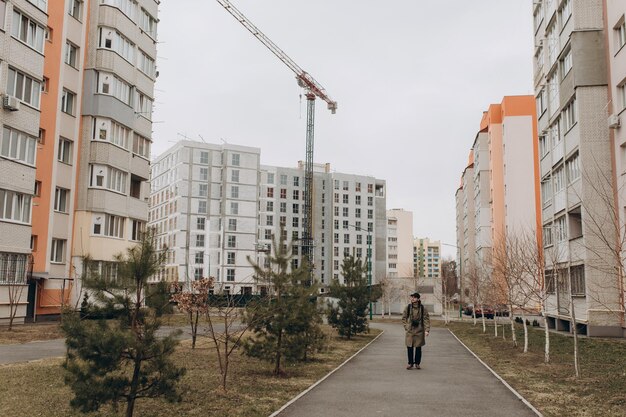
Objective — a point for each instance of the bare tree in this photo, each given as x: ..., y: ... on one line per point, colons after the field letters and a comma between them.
x: 14, y: 271
x: 194, y: 303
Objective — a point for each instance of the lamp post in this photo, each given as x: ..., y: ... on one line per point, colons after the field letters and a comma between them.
x: 369, y: 261
x: 460, y: 277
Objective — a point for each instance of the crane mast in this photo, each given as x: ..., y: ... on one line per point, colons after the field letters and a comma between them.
x: 312, y: 89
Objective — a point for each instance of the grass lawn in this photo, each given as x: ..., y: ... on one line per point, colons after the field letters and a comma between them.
x: 37, y: 388
x: 552, y: 388
x: 23, y: 333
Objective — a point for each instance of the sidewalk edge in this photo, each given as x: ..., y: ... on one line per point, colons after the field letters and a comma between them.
x: 303, y: 393
x: 517, y: 394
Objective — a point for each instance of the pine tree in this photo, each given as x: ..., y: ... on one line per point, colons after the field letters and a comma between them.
x: 349, y: 316
x: 286, y: 323
x: 121, y: 359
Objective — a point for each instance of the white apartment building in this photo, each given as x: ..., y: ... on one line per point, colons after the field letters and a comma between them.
x: 216, y: 209
x: 465, y: 228
x: 427, y: 267
x: 616, y: 40
x: 482, y: 207
x: 399, y: 278
x: 116, y: 119
x: 22, y: 43
x: 575, y: 156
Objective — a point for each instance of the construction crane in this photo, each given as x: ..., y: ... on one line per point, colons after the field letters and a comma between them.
x: 312, y: 89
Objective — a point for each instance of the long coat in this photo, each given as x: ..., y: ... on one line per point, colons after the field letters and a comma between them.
x: 415, y: 334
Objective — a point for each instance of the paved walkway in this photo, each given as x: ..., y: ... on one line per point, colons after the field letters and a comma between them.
x: 375, y: 383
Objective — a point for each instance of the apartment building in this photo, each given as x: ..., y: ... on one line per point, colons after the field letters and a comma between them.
x: 427, y: 270
x: 111, y: 207
x: 482, y: 199
x: 22, y: 46
x: 400, y: 244
x: 465, y: 228
x: 204, y: 208
x: 216, y: 209
x: 576, y: 171
x: 615, y: 30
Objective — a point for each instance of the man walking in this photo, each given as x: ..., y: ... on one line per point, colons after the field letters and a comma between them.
x: 417, y: 325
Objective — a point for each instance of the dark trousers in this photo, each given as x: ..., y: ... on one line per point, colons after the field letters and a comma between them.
x: 414, y: 354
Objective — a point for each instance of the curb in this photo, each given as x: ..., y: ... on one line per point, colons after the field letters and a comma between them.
x: 517, y: 394
x: 303, y: 393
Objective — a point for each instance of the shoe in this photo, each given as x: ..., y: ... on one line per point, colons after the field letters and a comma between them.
x: 418, y: 367
x: 409, y: 366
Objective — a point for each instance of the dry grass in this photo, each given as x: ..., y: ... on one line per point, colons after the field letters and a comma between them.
x: 552, y: 388
x: 37, y: 389
x: 24, y: 333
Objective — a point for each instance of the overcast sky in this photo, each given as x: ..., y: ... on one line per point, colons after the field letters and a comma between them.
x: 411, y: 77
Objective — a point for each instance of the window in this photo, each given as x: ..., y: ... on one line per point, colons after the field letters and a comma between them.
x: 232, y: 225
x: 102, y: 176
x: 137, y: 229
x: 357, y: 213
x: 200, y: 223
x: 336, y: 198
x: 199, y: 258
x: 141, y: 147
x: 230, y: 275
x: 203, y: 190
x: 204, y: 157
x: 68, y: 100
x: 18, y: 145
x: 577, y: 276
x: 231, y: 241
x: 547, y: 235
x: 109, y: 225
x: 71, y: 54
x: 336, y: 210
x: 283, y: 193
x: 269, y: 221
x: 202, y: 207
x: 296, y: 194
x: 358, y: 200
x: 572, y: 167
x: 565, y: 12
x: 370, y: 188
x: 295, y: 208
x: 76, y: 9
x: 566, y: 63
x: 270, y: 178
x: 370, y: 201
x: 336, y: 238
x: 15, y: 206
x: 110, y: 131
x: 113, y: 40
x: 234, y: 175
x: 57, y: 252
x: 550, y: 282
x: 198, y: 273
x: 143, y: 105
x: 296, y: 181
x: 65, y: 150
x: 336, y: 223
x: 234, y: 208
x: 345, y: 211
x: 283, y: 207
x: 345, y: 225
x: 283, y: 179
x: 267, y: 234
x: 230, y: 258
x: 370, y: 214
x: 269, y: 206
x: 540, y: 101
x: 569, y: 116
x: 204, y: 174
x: 621, y: 96
x: 234, y: 191
x: 357, y: 187
x: 146, y: 64
x: 37, y: 190
x: 28, y: 31
x: 235, y: 159
x: 620, y: 33
x: 346, y: 199
x: 148, y: 23
x: 61, y: 200
x: 558, y: 179
x: 128, y: 7
x: 537, y: 16
x: 295, y: 222
x: 560, y: 231
x: 575, y: 223
x: 24, y: 88
x: 346, y: 185
x: 200, y: 241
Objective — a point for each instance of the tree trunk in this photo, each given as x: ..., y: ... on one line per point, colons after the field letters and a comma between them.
x: 546, y: 350
x: 132, y: 395
x: 482, y: 316
x: 513, y: 335
x: 278, y: 353
x: 525, y: 333
x: 495, y: 327
x: 194, y: 328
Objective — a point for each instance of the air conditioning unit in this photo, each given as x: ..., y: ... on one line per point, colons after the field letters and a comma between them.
x: 10, y: 103
x: 614, y: 122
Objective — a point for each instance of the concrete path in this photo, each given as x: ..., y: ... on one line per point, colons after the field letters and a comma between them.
x: 25, y: 352
x: 375, y: 383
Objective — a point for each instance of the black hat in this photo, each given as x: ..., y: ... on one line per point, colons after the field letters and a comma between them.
x: 416, y: 295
